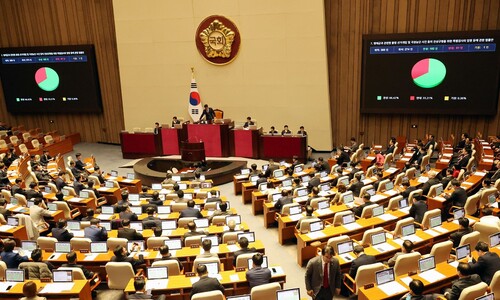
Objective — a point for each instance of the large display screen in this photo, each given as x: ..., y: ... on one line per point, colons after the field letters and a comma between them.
x: 431, y: 73
x: 50, y: 79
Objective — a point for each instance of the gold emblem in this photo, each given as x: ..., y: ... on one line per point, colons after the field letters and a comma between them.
x: 217, y: 40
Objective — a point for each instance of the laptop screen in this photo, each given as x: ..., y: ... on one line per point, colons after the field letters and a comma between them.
x: 213, y: 238
x: 176, y: 178
x: 130, y: 176
x: 157, y: 272
x: 344, y: 247
x: 12, y: 221
x: 298, y: 168
x: 306, y: 178
x: 136, y: 209
x: 407, y: 230
x: 168, y: 225
x: 132, y: 244
x: 107, y: 210
x: 427, y: 168
x: 65, y: 192
x: 427, y: 263
x: 439, y: 190
x: 109, y: 184
x: 30, y: 203
x: 403, y: 203
x: 348, y: 197
x: 389, y: 186
x: 348, y: 219
x: 301, y: 192
x: 212, y: 268
x: 133, y: 197
x: 263, y: 186
x: 62, y: 275
x: 378, y: 211
x: 278, y: 173
x: 114, y: 173
x: 323, y: 204
x: 106, y: 225
x: 378, y: 238
x: 173, y: 244
x: 286, y: 183
x: 236, y: 218
x: 458, y: 213
x: 28, y: 245
x: 489, y: 296
x: 73, y: 225
x: 183, y: 186
x: 344, y: 181
x: 324, y: 187
x: 84, y: 194
x: 384, y: 276
x: 52, y: 206
x: 276, y: 197
x: 249, y: 235
x: 245, y: 171
x: 463, y: 251
x: 323, y: 174
x: 243, y: 297
x: 370, y: 192
x: 62, y: 247
x: 48, y: 189
x: 164, y: 209
x: 435, y: 221
x: 264, y: 263
x: 136, y: 225
x: 289, y: 294
x: 495, y: 239
x: 201, y: 223
x: 156, y: 186
x: 315, y: 226
x: 14, y: 275
x: 253, y: 179
x: 98, y: 247
x: 295, y: 210
x: 491, y: 198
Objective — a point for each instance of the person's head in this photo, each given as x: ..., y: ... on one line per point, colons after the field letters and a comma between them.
x: 144, y: 189
x: 36, y: 255
x: 139, y: 284
x: 29, y: 289
x: 223, y: 206
x: 486, y: 182
x: 33, y: 185
x: 206, y: 245
x: 315, y: 191
x: 71, y: 257
x: 405, y: 184
x: 150, y: 211
x: 488, y: 211
x: 9, y: 245
x: 254, y: 167
x: 407, y: 246
x: 190, y: 203
x: 197, y: 175
x: 358, y: 249
x: 231, y: 225
x: 309, y: 210
x: 175, y: 118
x: 366, y: 197
x: 156, y: 195
x: 18, y: 180
x: 243, y: 242
x: 353, y: 139
x: 482, y: 248
x: 358, y: 177
x: 119, y: 250
x: 124, y: 195
x: 449, y: 171
x: 284, y: 193
x: 78, y: 156
x: 94, y: 221
x: 285, y: 127
x: 78, y: 178
x: 180, y: 194
x: 191, y: 226
x: 126, y: 223
x: 157, y: 231
x: 62, y: 223
x: 37, y: 201
x: 272, y: 128
x: 164, y: 250
x: 205, y: 106
x: 201, y: 270
x: 3, y: 202
x: 463, y: 269
x: 301, y: 128
x: 90, y: 212
x: 416, y: 287
x: 463, y: 222
x: 257, y: 259
x: 327, y: 253
x: 157, y: 124
x: 249, y: 119
x: 59, y: 196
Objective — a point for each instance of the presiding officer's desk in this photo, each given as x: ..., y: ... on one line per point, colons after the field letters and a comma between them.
x: 80, y: 289
x: 235, y: 283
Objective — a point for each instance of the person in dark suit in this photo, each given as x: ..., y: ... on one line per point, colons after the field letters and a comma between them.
x: 98, y: 173
x: 258, y: 275
x: 155, y: 199
x: 205, y: 284
x: 431, y: 141
x: 79, y: 164
x: 71, y: 257
x: 95, y: 232
x: 91, y: 187
x: 166, y: 255
x: 190, y: 211
x: 248, y: 122
x: 323, y: 278
x: 129, y: 233
x: 285, y: 199
x: 208, y: 113
x: 463, y: 229
x: 60, y: 232
x: 361, y: 260
x: 4, y: 178
x: 3, y: 209
x: 127, y: 214
x: 140, y: 290
x: 302, y: 131
x: 356, y: 185
x: 73, y: 169
x: 45, y: 158
x: 11, y: 259
x: 33, y: 192
x: 359, y: 209
x: 90, y: 215
x: 121, y: 255
x: 16, y: 188
x: 157, y: 128
x: 391, y: 147
x: 408, y: 189
x: 41, y: 174
x: 459, y: 195
x: 151, y: 221
x: 192, y: 230
x: 273, y: 131
x: 465, y: 280
x: 463, y: 159
x: 309, y: 215
x: 416, y: 290
x: 342, y: 157
x: 432, y: 181
x: 286, y: 130
x: 418, y: 209
x: 448, y: 178
x: 487, y: 263
x: 59, y: 181
x: 243, y: 242
x: 78, y: 185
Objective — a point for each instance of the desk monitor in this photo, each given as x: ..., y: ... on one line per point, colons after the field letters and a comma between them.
x: 458, y: 213
x: 227, y: 203
x: 98, y: 247
x: 12, y: 221
x: 306, y: 178
x: 378, y: 238
x: 173, y: 244
x: 30, y: 203
x: 52, y: 206
x: 407, y: 230
x: 263, y: 187
x: 130, y: 176
x: 435, y: 221
x: 348, y: 219
x: 323, y: 174
x: 249, y: 235
x: 212, y: 268
x: 62, y: 276
x: 286, y: 182
x: 315, y: 226
x: 114, y: 173
x: 345, y: 247
x: 344, y: 181
x: 324, y: 204
x: 425, y: 264
x: 28, y: 245
x: 65, y: 193
x: 107, y: 210
x: 236, y: 218
x: 136, y: 209
x: 417, y: 173
x: 389, y: 186
x: 348, y: 197
x: 427, y: 168
x: 213, y: 194
x: 168, y: 224
x: 278, y: 173
x: 384, y: 276
x: 386, y: 166
x: 403, y: 203
x: 378, y: 211
x: 495, y: 239
x: 156, y: 186
x: 298, y: 168
x: 295, y: 210
x: 47, y: 189
x: 202, y: 223
x: 301, y: 192
x: 282, y: 163
x: 157, y: 272
x: 439, y: 190
x: 132, y: 244
x: 463, y: 251
x: 109, y: 184
x: 83, y: 194
x: 489, y: 296
x: 164, y: 209
x: 370, y: 192
x: 246, y: 297
x: 73, y: 225
x: 288, y: 294
x: 105, y: 225
x: 62, y: 247
x: 136, y: 225
x: 176, y: 178
x: 183, y: 186
x: 491, y: 198
x: 206, y: 185
x: 188, y: 196
x: 14, y: 275
x: 264, y: 263
x: 133, y: 197
x: 245, y: 171
x: 213, y: 238
x: 276, y: 197
x: 253, y: 179
x: 325, y: 187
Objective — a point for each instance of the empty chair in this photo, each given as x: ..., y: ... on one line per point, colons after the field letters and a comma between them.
x: 441, y: 251
x: 36, y: 144
x: 471, y: 204
x: 425, y: 161
x: 337, y: 219
x: 285, y: 210
x: 53, y: 187
x: 389, y: 158
x: 342, y: 179
x: 95, y: 179
x: 3, y: 145
x: 485, y: 230
x: 265, y: 291
x: 69, y: 214
x: 14, y: 140
x: 410, y: 173
x: 305, y: 225
x: 470, y: 163
x: 171, y: 264
x: 48, y: 139
x: 432, y: 190
x: 394, y: 203
x: 24, y: 149
x: 156, y: 242
x: 314, y: 202
x: 381, y: 185
x: 367, y: 240
x: 192, y: 240
x: 6, y: 195
x: 334, y: 241
x: 114, y: 242
x: 71, y: 190
x: 399, y: 226
x: 485, y: 194
x: 414, y: 194
x: 3, y: 267
x: 399, y: 179
x: 407, y: 262
x: 98, y: 201
x: 182, y: 222
x: 369, y: 171
x: 473, y: 292
x: 230, y: 237
x: 427, y: 217
x: 365, y: 275
x: 242, y: 260
x: 46, y: 243
x: 470, y: 238
x: 212, y: 295
x: 80, y: 243
x: 368, y: 211
x: 78, y: 275
x: 119, y: 274
x: 494, y: 285
x: 364, y: 189
x: 219, y: 220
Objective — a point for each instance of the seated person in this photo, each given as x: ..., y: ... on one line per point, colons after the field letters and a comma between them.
x: 151, y: 221
x: 361, y: 260
x: 418, y: 209
x: 340, y: 190
x: 221, y: 212
x: 95, y: 232
x: 36, y: 256
x: 190, y: 211
x: 140, y: 289
x: 129, y: 233
x: 286, y: 130
x: 207, y: 245
x: 30, y: 290
x: 407, y: 189
x: 448, y: 178
x: 165, y: 255
x: 72, y: 263
x: 359, y: 209
x: 487, y: 263
x: 248, y: 123
x: 416, y: 292
x: 60, y: 232
x: 273, y: 131
x: 465, y: 280
x: 489, y: 218
x: 121, y: 255
x: 407, y: 247
x: 180, y: 197
x: 90, y: 215
x: 205, y: 284
x: 302, y: 131
x: 258, y: 275
x: 285, y: 199
x: 126, y: 213
x: 243, y: 242
x: 463, y: 229
x: 309, y: 215
x: 356, y: 185
x: 192, y: 230
x: 155, y: 200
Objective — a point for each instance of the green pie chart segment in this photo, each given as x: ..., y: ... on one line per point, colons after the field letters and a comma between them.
x: 47, y: 79
x: 428, y: 73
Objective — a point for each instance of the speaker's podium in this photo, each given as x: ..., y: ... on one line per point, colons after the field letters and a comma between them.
x: 192, y: 151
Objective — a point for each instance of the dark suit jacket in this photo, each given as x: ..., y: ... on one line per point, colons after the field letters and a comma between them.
x: 150, y: 222
x: 458, y: 197
x: 359, y: 209
x: 457, y: 236
x: 190, y: 212
x: 356, y: 188
x: 209, y: 116
x: 80, y: 165
x: 88, y: 274
x: 486, y: 266
x: 462, y: 283
x: 62, y: 234
x: 5, y: 212
x: 206, y: 284
x: 16, y: 189
x: 427, y: 186
x: 134, y: 262
x: 139, y: 296
x: 360, y: 261
x: 96, y: 234
x: 60, y: 183
x: 258, y: 276
x: 12, y: 260
x: 242, y: 251
x: 417, y: 210
x: 33, y: 194
x: 78, y: 186
x: 314, y: 275
x: 446, y: 180
x: 407, y: 192
x: 129, y: 234
x: 282, y: 201
x: 343, y: 158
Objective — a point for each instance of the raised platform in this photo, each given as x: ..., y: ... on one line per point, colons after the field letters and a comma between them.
x: 154, y: 170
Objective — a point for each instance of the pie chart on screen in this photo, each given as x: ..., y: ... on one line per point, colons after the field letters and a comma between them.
x: 428, y: 73
x: 47, y: 79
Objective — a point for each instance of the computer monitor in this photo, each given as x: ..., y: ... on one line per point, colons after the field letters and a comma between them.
x: 249, y: 235
x: 295, y: 210
x: 298, y: 168
x: 156, y: 186
x: 62, y: 247
x: 288, y: 294
x: 132, y: 244
x: 173, y: 244
x: 458, y: 213
x: 243, y: 297
x: 276, y: 197
x: 264, y: 263
x: 130, y: 176
x: 439, y: 190
x: 176, y: 178
x: 188, y: 196
x: 136, y: 209
x: 73, y: 225
x: 306, y: 178
x: 105, y: 225
x: 157, y: 273
x: 495, y: 239
x: 463, y: 251
x: 213, y: 238
x: 389, y: 186
x: 403, y: 203
x: 282, y: 163
x: 28, y: 245
x: 30, y: 203
x: 62, y: 276
x: 164, y: 209
x: 109, y: 184
x: 52, y: 206
x: 344, y: 247
x: 490, y: 296
x: 286, y: 183
x: 370, y: 192
x: 133, y: 197
x: 316, y: 226
x: 348, y: 197
x: 236, y: 218
x: 417, y: 173
x: 427, y: 167
x: 245, y: 171
x: 14, y: 275
x: 253, y: 179
x: 278, y: 173
x: 492, y: 198
x: 301, y: 192
x: 98, y: 247
x: 377, y: 211
x: 435, y: 221
x: 407, y: 230
x: 323, y: 174
x: 384, y: 276
x: 114, y: 173
x: 344, y: 181
x: 324, y: 187
x: 65, y: 193
x: 202, y: 223
x: 212, y: 268
x: 425, y: 264
x: 84, y: 194
x: 323, y: 204
x: 47, y: 189
x: 12, y: 221
x: 168, y: 225
x: 107, y: 210
x: 378, y: 238
x: 183, y: 186
x: 136, y: 225
x: 348, y: 219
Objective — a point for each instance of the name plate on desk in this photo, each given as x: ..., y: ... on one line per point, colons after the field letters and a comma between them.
x: 240, y: 269
x: 190, y: 274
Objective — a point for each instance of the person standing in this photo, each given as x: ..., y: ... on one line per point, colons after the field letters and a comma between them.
x: 323, y: 277
x: 208, y: 113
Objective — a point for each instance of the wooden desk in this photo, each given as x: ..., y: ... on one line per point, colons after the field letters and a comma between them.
x: 133, y: 185
x: 74, y: 202
x: 112, y: 195
x: 170, y: 139
x: 17, y: 233
x: 80, y: 289
x: 214, y: 136
x: 238, y: 181
x: 246, y: 192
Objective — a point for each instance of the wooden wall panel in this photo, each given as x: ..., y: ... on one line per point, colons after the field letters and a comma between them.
x: 346, y: 22
x: 69, y: 22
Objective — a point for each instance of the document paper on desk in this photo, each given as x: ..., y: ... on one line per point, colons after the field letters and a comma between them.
x: 391, y: 192
x: 407, y: 280
x: 6, y: 285
x: 315, y: 235
x: 6, y: 227
x: 387, y: 217
x: 57, y: 287
x: 234, y: 277
x: 376, y: 198
x: 392, y: 288
x: 295, y: 217
x: 156, y: 284
x: 432, y: 232
x: 352, y: 226
x: 233, y: 248
x: 91, y: 257
x: 431, y: 276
